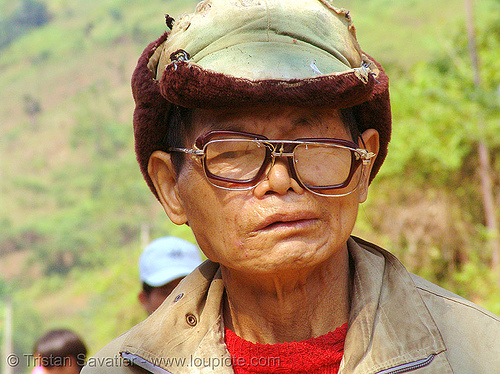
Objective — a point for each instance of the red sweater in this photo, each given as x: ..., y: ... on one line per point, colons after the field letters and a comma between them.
x: 319, y: 355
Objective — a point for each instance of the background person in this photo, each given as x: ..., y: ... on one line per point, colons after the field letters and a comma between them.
x: 261, y: 125
x: 162, y: 265
x: 60, y: 351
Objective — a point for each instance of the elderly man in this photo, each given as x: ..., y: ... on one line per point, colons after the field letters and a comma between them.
x: 260, y: 123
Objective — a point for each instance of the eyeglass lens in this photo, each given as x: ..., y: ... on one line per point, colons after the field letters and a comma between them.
x: 321, y: 165
x: 237, y: 160
x: 325, y: 167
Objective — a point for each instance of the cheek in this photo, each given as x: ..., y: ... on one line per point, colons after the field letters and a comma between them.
x: 210, y: 218
x: 339, y: 218
x: 345, y: 214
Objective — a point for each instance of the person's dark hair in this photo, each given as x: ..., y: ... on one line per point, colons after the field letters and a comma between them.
x: 349, y: 120
x: 57, y: 345
x: 178, y: 125
x: 147, y: 288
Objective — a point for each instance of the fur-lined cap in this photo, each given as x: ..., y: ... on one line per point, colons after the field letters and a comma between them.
x: 244, y: 52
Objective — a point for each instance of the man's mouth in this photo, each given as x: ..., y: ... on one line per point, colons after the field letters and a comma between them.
x: 287, y: 221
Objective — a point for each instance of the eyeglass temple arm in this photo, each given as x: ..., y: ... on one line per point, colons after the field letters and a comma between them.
x: 366, y: 156
x: 194, y: 152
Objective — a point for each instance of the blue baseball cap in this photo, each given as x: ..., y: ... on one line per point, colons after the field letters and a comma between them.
x: 166, y: 259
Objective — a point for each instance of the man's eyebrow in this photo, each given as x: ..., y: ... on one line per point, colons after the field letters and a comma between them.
x: 307, y: 121
x: 225, y: 126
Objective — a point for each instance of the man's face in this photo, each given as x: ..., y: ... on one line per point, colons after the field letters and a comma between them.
x: 157, y: 295
x: 69, y: 366
x: 276, y: 226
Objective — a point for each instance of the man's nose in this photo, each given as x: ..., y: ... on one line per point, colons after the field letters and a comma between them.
x: 279, y: 179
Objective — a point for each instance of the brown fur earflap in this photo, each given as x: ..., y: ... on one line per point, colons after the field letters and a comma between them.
x: 191, y: 86
x: 151, y: 110
x: 375, y: 113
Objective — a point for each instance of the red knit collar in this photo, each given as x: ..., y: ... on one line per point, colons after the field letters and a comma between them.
x: 316, y: 355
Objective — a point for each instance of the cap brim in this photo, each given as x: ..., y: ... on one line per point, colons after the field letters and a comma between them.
x: 158, y: 280
x: 191, y: 86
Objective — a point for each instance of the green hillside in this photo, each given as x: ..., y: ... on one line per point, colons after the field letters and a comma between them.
x: 75, y: 212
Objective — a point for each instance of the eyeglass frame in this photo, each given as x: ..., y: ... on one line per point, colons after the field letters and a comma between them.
x: 204, y: 139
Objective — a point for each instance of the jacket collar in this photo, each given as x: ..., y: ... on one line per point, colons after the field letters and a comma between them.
x: 389, y: 324
x: 185, y: 332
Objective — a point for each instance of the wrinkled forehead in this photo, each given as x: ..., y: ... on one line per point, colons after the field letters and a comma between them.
x: 275, y: 122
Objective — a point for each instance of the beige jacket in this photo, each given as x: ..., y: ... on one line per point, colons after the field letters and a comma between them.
x: 398, y: 323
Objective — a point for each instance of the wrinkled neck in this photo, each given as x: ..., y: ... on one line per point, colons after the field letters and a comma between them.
x: 277, y: 308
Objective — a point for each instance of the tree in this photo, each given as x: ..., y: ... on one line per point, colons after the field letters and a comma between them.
x: 435, y: 149
x: 489, y: 205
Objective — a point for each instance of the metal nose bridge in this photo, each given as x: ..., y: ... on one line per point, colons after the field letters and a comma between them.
x: 275, y: 154
x: 281, y: 152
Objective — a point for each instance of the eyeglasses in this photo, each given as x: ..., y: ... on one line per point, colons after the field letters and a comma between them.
x: 235, y: 160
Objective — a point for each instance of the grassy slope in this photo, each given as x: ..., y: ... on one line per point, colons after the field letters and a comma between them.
x: 78, y: 68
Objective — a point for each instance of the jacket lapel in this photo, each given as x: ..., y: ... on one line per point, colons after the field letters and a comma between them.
x: 185, y: 334
x: 389, y: 324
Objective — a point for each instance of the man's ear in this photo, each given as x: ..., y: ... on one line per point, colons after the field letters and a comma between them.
x: 162, y: 173
x: 371, y: 142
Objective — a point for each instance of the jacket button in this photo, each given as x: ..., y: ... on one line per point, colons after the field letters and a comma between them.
x: 191, y: 320
x: 178, y: 297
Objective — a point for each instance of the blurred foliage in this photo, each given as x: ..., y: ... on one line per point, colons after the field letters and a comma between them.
x: 430, y: 180
x: 73, y: 205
